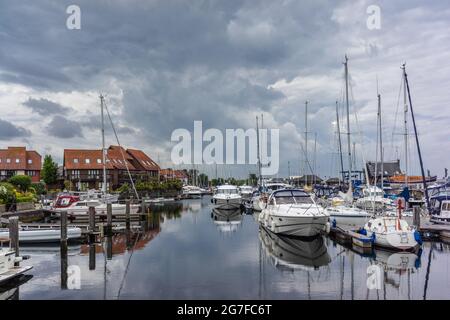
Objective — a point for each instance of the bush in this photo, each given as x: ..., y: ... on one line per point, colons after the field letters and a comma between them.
x: 38, y: 188
x: 21, y: 182
x: 25, y: 198
x: 7, y: 193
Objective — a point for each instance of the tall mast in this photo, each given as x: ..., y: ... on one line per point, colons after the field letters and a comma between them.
x: 306, y: 142
x: 348, y: 126
x: 315, y: 150
x: 405, y: 113
x: 258, y: 155
x: 103, y: 146
x: 381, y: 142
x: 340, y: 142
x: 417, y: 142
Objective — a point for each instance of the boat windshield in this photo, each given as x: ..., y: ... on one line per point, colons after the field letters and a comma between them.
x: 292, y: 197
x: 227, y: 191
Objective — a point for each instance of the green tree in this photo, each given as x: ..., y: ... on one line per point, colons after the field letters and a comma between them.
x: 21, y: 182
x: 49, y: 170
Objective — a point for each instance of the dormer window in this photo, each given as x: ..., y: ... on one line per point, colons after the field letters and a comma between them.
x: 99, y: 161
x: 88, y: 161
x: 17, y: 160
x: 30, y: 161
x: 8, y: 160
x: 75, y: 160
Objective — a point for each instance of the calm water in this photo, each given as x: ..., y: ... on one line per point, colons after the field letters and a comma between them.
x: 189, y: 252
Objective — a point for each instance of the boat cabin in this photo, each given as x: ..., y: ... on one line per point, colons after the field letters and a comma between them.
x: 227, y: 189
x: 290, y: 196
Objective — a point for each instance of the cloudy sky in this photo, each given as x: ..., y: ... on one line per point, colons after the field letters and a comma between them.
x: 164, y: 64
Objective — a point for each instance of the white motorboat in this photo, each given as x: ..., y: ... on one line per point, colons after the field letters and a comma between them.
x: 75, y: 206
x: 392, y: 233
x: 293, y: 212
x: 246, y: 191
x: 40, y: 235
x: 348, y: 215
x: 192, y: 192
x: 8, y: 270
x: 444, y: 213
x: 257, y: 201
x: 227, y: 197
x: 294, y: 253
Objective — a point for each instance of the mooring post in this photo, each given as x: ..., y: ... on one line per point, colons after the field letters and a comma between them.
x: 127, y: 213
x: 109, y: 252
x: 63, y: 217
x: 92, y: 256
x: 14, y: 234
x: 143, y: 209
x: 91, y: 224
x: 416, y: 217
x: 64, y: 264
x: 108, y: 218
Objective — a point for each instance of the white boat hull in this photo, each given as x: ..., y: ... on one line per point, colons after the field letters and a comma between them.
x: 302, y: 226
x: 401, y: 240
x: 227, y: 204
x: 44, y: 235
x: 116, y: 209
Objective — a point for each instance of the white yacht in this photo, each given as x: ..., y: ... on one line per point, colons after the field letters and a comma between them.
x: 75, y: 206
x: 392, y: 233
x: 293, y: 212
x: 227, y: 197
x: 246, y: 191
x: 192, y: 192
x: 258, y: 201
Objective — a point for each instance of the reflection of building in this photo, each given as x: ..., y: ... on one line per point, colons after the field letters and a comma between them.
x: 120, y: 242
x: 171, y: 174
x: 19, y: 161
x: 84, y: 168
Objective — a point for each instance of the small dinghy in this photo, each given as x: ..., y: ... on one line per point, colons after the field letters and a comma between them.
x: 392, y: 233
x: 40, y: 235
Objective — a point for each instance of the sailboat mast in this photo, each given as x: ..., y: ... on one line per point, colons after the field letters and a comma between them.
x: 340, y: 142
x: 417, y: 143
x: 103, y: 146
x: 306, y: 142
x: 258, y: 155
x: 381, y: 142
x: 348, y: 125
x: 405, y: 114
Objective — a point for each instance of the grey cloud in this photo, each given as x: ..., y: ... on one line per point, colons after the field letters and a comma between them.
x: 61, y: 127
x: 9, y: 131
x: 45, y: 107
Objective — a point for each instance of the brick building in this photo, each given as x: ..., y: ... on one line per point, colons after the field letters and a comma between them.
x: 19, y: 161
x: 84, y: 168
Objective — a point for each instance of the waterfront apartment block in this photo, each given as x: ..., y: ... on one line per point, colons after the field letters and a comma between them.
x: 84, y: 168
x: 19, y: 161
x: 172, y: 174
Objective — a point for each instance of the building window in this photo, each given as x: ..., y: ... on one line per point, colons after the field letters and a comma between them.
x: 75, y: 160
x: 17, y: 160
x: 99, y: 161
x: 87, y: 161
x: 30, y: 161
x: 8, y: 160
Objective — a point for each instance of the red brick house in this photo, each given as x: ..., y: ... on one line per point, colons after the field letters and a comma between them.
x: 19, y: 161
x: 84, y: 168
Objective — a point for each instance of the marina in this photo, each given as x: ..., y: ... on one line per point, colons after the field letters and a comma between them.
x: 240, y: 262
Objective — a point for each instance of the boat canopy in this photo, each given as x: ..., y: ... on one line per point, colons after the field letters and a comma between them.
x: 291, y: 196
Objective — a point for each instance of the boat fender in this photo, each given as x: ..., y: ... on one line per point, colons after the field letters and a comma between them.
x: 374, y: 237
x: 417, y: 237
x: 362, y: 231
x: 18, y: 259
x: 327, y: 228
x: 334, y: 223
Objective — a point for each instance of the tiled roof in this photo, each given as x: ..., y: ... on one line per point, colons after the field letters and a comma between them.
x: 169, y: 173
x: 18, y: 158
x: 75, y: 159
x: 144, y: 160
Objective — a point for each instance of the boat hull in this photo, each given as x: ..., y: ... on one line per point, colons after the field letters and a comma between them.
x: 302, y: 226
x: 401, y: 240
x: 44, y: 235
x: 227, y: 204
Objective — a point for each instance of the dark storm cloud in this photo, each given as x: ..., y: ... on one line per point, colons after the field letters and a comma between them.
x: 10, y: 131
x: 61, y: 127
x: 45, y: 107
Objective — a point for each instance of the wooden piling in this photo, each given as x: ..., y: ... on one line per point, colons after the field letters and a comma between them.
x: 109, y: 252
x: 14, y: 234
x: 64, y: 263
x: 92, y: 256
x: 143, y: 208
x: 416, y: 217
x: 91, y: 224
x: 63, y: 217
x: 108, y: 218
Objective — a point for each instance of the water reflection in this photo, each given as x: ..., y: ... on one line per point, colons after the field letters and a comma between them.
x: 294, y: 253
x: 227, y: 221
x: 10, y: 290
